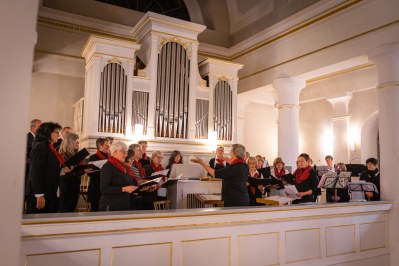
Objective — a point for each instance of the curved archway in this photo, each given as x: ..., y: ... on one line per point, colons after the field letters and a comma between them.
x: 370, y: 138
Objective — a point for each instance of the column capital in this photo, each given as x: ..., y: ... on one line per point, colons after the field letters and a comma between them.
x: 386, y: 59
x: 340, y: 105
x: 288, y: 90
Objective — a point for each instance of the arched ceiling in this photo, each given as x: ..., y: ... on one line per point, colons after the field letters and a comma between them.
x: 171, y: 8
x: 228, y: 22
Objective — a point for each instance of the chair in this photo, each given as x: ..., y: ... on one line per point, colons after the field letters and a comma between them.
x: 162, y: 205
x: 84, y: 187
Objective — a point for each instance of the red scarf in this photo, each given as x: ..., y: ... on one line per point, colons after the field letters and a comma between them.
x: 301, y: 174
x: 237, y: 160
x: 280, y: 173
x: 117, y: 164
x: 60, y: 158
x: 156, y: 168
x: 252, y: 188
x: 141, y: 169
x: 145, y: 157
x: 101, y: 155
x: 220, y: 161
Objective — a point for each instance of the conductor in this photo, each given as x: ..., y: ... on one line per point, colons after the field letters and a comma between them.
x: 234, y: 177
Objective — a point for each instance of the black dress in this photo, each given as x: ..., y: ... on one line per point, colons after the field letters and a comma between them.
x: 234, y: 190
x: 44, y: 175
x: 93, y: 191
x: 70, y: 190
x: 111, y: 182
x: 372, y: 177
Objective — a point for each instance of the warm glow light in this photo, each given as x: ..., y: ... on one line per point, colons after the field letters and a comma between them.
x: 353, y: 137
x: 138, y: 132
x: 212, y: 140
x: 327, y: 141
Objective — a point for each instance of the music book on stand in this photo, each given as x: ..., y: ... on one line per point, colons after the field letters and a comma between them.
x: 171, y: 180
x: 276, y: 200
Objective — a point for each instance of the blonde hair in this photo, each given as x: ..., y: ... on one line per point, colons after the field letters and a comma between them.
x: 278, y: 160
x: 66, y: 147
x: 154, y: 154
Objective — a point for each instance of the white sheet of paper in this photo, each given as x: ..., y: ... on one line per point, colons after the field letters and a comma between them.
x: 99, y: 164
x: 163, y: 172
x: 291, y: 191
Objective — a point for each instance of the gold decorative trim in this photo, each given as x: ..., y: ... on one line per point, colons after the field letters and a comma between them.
x: 338, y: 73
x: 281, y: 106
x: 187, y: 226
x: 388, y: 85
x: 300, y: 230
x: 115, y: 60
x: 320, y: 49
x: 62, y: 252
x: 74, y: 27
x: 59, y: 54
x: 354, y: 239
x: 299, y: 27
x: 190, y: 215
x: 339, y: 118
x: 140, y: 245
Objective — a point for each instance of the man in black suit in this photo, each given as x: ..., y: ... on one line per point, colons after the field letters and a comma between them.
x: 34, y: 125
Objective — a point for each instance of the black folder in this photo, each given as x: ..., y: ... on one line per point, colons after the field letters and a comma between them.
x: 259, y: 181
x: 149, y: 183
x: 77, y: 158
x: 289, y: 178
x: 81, y: 168
x: 265, y: 172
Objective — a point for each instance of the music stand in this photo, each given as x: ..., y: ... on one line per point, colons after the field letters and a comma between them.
x: 335, y: 181
x: 321, y: 170
x: 357, y: 190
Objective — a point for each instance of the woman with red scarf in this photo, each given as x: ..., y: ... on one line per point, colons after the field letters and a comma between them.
x: 234, y: 177
x: 115, y: 182
x: 145, y: 200
x: 277, y: 188
x: 45, y: 168
x: 305, y: 180
x: 254, y: 192
x: 93, y: 192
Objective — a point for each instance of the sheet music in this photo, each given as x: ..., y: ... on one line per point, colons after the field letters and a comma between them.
x: 291, y: 191
x: 99, y: 164
x: 162, y: 173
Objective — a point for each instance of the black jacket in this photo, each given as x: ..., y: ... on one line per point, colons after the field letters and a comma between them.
x: 111, y: 182
x: 44, y: 172
x: 234, y: 190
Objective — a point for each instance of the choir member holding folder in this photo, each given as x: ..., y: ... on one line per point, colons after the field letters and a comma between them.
x: 277, y: 175
x: 305, y: 180
x: 254, y: 189
x: 70, y: 175
x: 145, y: 200
x: 115, y: 182
x: 44, y: 172
x: 94, y: 193
x: 234, y: 177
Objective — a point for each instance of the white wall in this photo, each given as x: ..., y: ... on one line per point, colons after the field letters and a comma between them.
x: 260, y: 130
x: 53, y: 95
